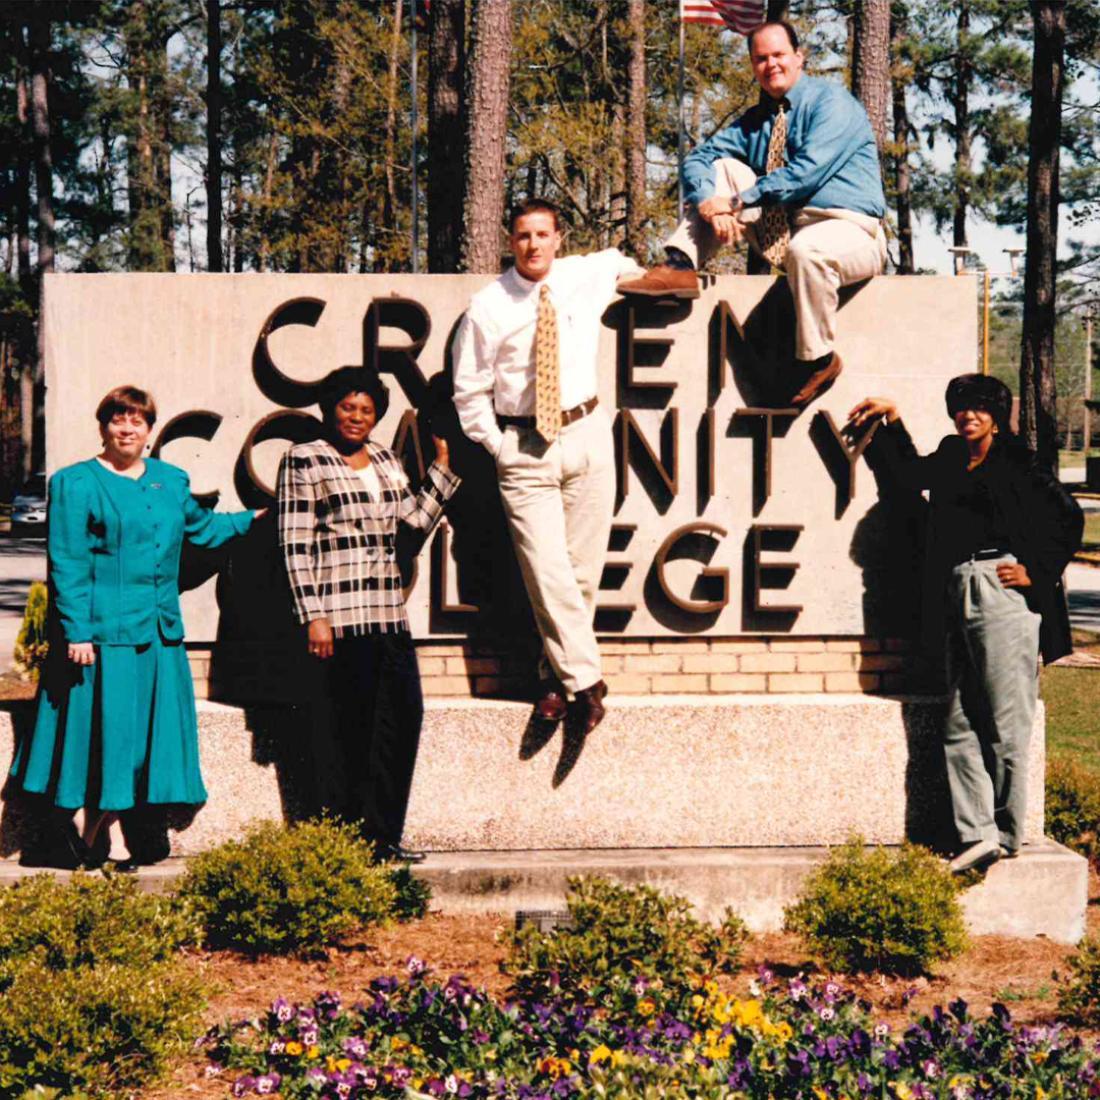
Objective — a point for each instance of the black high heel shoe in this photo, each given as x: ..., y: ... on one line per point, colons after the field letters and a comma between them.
x: 63, y: 851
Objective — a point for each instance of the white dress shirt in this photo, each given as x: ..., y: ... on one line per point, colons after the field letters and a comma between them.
x: 494, y: 350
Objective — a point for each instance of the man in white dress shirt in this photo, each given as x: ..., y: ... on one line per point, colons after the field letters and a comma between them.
x: 526, y: 346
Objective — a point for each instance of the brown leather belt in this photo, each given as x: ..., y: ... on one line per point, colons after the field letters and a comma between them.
x: 568, y: 416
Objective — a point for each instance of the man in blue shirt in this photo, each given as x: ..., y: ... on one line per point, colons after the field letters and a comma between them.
x: 798, y: 177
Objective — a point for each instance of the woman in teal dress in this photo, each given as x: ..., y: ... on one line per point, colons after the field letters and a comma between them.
x: 116, y: 726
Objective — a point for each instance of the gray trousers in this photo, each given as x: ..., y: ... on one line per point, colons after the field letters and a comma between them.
x: 993, y: 672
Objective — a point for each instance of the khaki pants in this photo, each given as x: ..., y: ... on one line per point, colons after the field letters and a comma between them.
x: 829, y: 249
x: 559, y: 500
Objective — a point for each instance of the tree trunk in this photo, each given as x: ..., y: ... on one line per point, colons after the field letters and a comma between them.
x: 389, y: 201
x: 43, y: 185
x: 23, y: 165
x: 902, y: 185
x: 1038, y: 392
x: 963, y: 77
x: 446, y: 131
x: 144, y: 229
x: 635, y: 131
x: 871, y: 64
x: 40, y: 124
x: 162, y: 106
x: 486, y: 130
x: 214, y: 259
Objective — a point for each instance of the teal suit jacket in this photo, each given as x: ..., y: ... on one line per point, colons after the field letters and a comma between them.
x: 114, y: 550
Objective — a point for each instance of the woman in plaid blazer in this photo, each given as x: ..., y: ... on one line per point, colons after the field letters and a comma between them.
x: 341, y: 499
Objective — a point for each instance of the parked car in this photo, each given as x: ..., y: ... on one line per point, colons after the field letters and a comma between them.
x: 28, y: 507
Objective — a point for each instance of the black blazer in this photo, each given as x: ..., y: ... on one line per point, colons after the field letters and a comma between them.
x: 1043, y: 522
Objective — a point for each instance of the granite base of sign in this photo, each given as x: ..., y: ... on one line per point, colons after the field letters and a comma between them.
x: 660, y: 772
x: 1042, y: 893
x: 752, y: 786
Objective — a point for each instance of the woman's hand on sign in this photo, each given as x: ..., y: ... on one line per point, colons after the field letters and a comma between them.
x: 82, y: 653
x: 871, y: 408
x: 320, y: 639
x: 1013, y: 575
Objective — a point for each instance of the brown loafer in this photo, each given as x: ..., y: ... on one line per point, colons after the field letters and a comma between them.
x: 589, y: 704
x: 551, y: 704
x: 663, y: 282
x: 818, y: 382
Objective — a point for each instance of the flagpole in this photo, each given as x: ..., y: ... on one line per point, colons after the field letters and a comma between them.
x: 415, y: 179
x: 680, y: 126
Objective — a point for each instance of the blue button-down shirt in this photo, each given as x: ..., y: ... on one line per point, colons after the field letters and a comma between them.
x: 832, y: 160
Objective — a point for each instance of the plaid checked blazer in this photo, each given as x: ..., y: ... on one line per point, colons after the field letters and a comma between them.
x: 339, y: 544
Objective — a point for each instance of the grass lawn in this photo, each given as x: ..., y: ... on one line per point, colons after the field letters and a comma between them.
x: 1091, y: 540
x: 1072, y: 698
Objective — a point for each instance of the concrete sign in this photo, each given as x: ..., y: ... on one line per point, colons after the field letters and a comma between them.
x: 733, y: 517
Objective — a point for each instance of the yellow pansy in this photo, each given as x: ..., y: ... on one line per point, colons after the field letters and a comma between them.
x: 602, y: 1053
x: 554, y: 1067
x: 646, y: 1007
x: 294, y: 1049
x: 313, y: 1052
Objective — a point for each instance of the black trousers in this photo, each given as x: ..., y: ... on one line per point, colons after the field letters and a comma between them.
x: 366, y: 739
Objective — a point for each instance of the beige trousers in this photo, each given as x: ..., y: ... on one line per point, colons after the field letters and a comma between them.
x: 559, y: 499
x: 829, y: 249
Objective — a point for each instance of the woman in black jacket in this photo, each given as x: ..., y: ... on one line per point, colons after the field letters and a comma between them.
x: 1001, y: 531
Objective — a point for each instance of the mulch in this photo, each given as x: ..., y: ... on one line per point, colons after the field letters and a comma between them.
x: 1020, y: 973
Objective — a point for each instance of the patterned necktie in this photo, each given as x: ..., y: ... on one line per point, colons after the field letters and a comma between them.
x: 547, y: 372
x: 775, y: 227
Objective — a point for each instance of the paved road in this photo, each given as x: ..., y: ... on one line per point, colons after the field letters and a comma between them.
x: 22, y: 561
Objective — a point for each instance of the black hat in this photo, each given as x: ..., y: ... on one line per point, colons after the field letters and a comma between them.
x: 980, y: 391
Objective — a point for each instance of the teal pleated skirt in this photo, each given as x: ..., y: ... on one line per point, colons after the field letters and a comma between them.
x: 116, y: 734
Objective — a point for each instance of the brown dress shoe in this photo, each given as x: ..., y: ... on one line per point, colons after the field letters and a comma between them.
x: 818, y: 382
x: 589, y: 704
x: 663, y: 282
x: 550, y: 705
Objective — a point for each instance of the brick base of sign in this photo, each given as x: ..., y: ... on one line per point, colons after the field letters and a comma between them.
x: 659, y: 666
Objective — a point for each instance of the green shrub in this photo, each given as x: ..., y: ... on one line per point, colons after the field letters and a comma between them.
x: 90, y: 921
x: 288, y: 889
x: 623, y: 938
x: 871, y: 909
x: 31, y: 645
x: 93, y: 999
x: 1073, y: 806
x: 414, y: 895
x: 1079, y: 998
x: 104, y: 1030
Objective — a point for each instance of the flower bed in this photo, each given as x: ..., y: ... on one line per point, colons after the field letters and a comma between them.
x: 787, y: 1039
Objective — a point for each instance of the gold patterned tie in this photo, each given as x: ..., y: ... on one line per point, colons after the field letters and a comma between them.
x: 547, y: 370
x: 775, y: 227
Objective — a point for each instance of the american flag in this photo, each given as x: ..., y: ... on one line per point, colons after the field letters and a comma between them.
x: 739, y: 15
